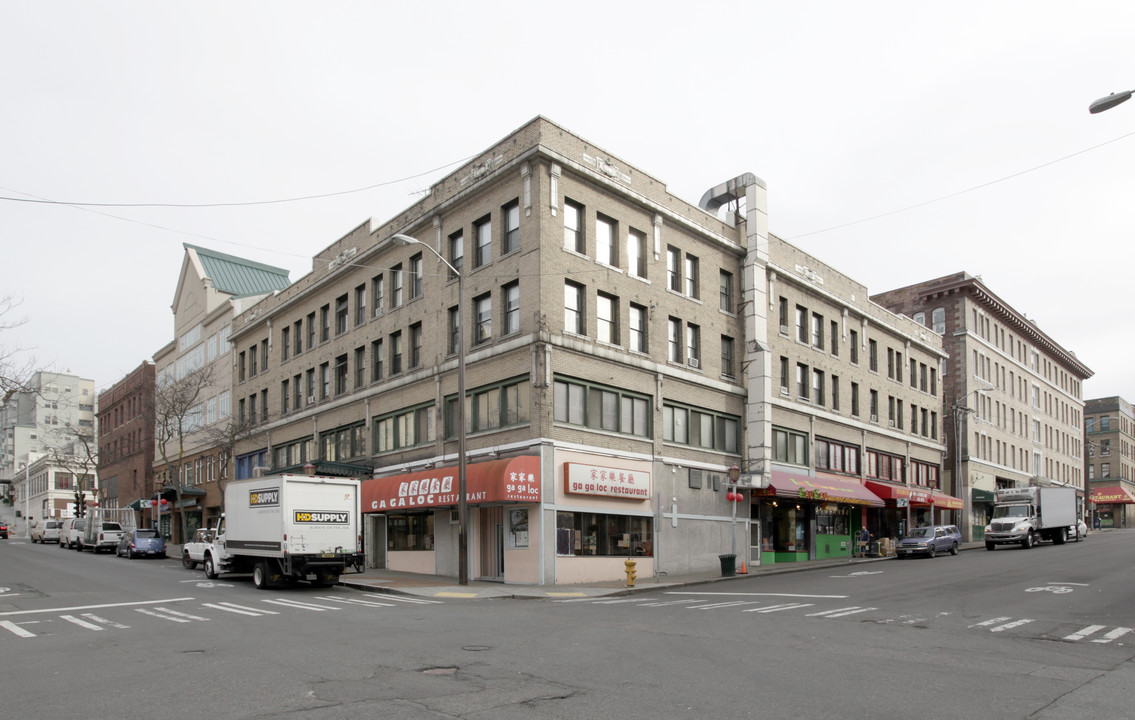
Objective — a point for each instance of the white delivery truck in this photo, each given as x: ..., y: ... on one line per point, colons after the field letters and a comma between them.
x: 1028, y: 515
x: 284, y: 528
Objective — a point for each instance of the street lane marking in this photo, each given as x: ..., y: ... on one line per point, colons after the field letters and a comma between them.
x: 994, y: 621
x: 302, y: 605
x: 718, y: 606
x: 664, y: 603
x: 15, y: 629
x: 356, y: 601
x: 163, y: 616
x: 106, y: 622
x: 239, y: 609
x: 617, y: 602
x: 778, y: 608
x: 786, y: 595
x: 822, y: 613
x: 1081, y: 634
x: 1010, y: 626
x: 81, y: 623
x: 92, y: 607
x: 849, y: 611
x: 1113, y: 635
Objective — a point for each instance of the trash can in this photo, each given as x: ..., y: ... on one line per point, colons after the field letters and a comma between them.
x: 728, y: 565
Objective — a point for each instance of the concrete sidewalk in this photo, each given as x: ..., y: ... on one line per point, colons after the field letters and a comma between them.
x: 432, y: 586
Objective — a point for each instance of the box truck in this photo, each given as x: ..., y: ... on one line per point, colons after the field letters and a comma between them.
x: 286, y: 528
x: 1028, y: 515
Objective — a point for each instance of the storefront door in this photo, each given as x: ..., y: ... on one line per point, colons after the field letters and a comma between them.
x: 492, y: 543
x: 374, y: 540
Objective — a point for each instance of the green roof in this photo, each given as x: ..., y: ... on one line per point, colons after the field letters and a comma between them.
x: 239, y: 277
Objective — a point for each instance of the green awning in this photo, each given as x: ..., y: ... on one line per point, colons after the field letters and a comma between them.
x: 170, y: 492
x: 139, y: 504
x: 983, y: 496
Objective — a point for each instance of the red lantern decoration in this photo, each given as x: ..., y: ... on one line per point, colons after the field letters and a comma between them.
x: 729, y: 496
x: 165, y: 502
x: 153, y: 503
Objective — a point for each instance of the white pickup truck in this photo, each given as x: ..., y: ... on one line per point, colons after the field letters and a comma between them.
x: 100, y: 534
x: 193, y: 552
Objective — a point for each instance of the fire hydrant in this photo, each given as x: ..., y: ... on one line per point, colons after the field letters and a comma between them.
x: 631, y: 574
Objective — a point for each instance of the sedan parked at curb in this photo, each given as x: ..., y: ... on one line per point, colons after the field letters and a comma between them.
x: 930, y: 541
x: 3, y: 530
x: 1078, y: 531
x: 143, y: 542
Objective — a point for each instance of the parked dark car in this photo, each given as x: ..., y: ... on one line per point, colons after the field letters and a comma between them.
x: 3, y: 530
x: 143, y: 542
x: 930, y: 541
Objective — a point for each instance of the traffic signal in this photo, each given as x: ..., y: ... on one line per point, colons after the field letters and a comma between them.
x: 80, y: 505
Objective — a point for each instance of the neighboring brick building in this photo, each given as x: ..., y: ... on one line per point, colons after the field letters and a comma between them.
x: 1109, y: 426
x: 126, y: 441
x: 617, y: 344
x: 1013, y: 394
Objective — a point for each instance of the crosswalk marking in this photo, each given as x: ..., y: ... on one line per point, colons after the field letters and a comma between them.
x: 840, y: 612
x: 301, y: 605
x: 163, y: 616
x: 1081, y: 634
x: 1113, y: 635
x: 778, y: 608
x: 1011, y: 625
x: 240, y: 609
x: 15, y: 629
x: 718, y: 606
x: 80, y: 623
x: 356, y: 601
x: 993, y: 621
x: 665, y: 603
x: 104, y: 621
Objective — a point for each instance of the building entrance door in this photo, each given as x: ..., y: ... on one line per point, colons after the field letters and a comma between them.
x: 492, y: 543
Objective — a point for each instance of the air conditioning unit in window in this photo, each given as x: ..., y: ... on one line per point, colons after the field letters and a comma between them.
x: 783, y: 329
x: 695, y: 363
x: 890, y: 423
x: 310, y: 399
x: 874, y: 418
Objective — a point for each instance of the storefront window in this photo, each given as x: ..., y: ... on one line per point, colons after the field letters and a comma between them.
x: 595, y: 534
x: 518, y: 528
x: 785, y: 528
x: 832, y: 522
x: 410, y: 532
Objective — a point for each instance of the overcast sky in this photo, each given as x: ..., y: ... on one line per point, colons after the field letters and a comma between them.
x: 900, y: 141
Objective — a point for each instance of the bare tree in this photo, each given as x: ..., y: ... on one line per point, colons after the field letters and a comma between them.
x: 178, y: 403
x: 74, y: 448
x: 224, y: 436
x: 14, y: 374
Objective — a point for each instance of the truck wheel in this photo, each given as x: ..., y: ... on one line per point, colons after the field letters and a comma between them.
x: 260, y: 576
x: 1027, y: 542
x: 1061, y: 537
x: 186, y: 562
x: 989, y: 545
x: 210, y: 570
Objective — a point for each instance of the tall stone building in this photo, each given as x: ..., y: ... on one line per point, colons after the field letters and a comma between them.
x: 1109, y: 426
x: 620, y: 351
x: 1013, y: 398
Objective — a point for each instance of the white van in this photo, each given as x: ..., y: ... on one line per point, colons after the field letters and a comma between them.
x: 71, y: 533
x: 44, y: 530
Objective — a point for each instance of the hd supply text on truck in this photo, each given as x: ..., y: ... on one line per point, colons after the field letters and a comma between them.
x: 286, y: 528
x: 1025, y: 516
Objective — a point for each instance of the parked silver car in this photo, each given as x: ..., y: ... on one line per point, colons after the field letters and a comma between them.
x: 1078, y: 531
x: 930, y: 541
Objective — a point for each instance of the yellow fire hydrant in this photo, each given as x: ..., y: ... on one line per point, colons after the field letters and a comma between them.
x: 631, y: 574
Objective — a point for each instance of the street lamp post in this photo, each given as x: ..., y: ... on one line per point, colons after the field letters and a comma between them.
x: 1107, y: 103
x: 462, y: 501
x: 960, y: 411
x: 734, y: 475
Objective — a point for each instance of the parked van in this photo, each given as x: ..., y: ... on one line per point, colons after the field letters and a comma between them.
x: 71, y: 533
x: 44, y: 530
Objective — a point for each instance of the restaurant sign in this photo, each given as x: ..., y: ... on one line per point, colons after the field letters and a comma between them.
x: 580, y: 479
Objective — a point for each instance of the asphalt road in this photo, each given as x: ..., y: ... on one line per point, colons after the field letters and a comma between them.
x: 1041, y: 633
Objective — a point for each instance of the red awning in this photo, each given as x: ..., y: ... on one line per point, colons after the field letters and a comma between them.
x: 825, y: 489
x: 947, y: 502
x: 508, y: 480
x: 916, y: 495
x: 1112, y: 495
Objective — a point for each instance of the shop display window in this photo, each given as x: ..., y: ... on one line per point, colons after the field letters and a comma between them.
x: 410, y: 532
x: 832, y: 522
x: 598, y: 534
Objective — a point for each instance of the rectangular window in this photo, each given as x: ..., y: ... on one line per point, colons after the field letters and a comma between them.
x: 378, y: 296
x: 297, y: 392
x: 311, y: 386
x: 406, y: 428
x: 240, y: 366
x: 416, y: 276
x: 913, y: 373
x: 606, y: 243
x: 341, y: 374
x: 483, y: 234
x: 607, y: 318
x: 891, y: 363
x: 802, y: 386
x: 785, y: 380
x: 396, y: 281
x: 511, y: 295
x: 456, y: 252
x: 573, y: 227
x: 297, y: 331
x: 573, y: 308
x: 416, y: 345
x: 285, y: 343
x: 638, y: 339
x: 801, y: 324
x: 324, y: 381
x: 874, y: 406
x: 510, y: 230
x: 454, y: 330
x: 360, y: 305
x: 360, y: 366
x: 693, y: 282
x: 693, y: 345
x: 376, y: 361
x: 285, y: 396
x: 342, y: 315
x: 783, y: 316
x: 727, y: 357
x: 253, y: 366
x: 726, y: 296
x: 873, y: 355
x: 700, y: 428
x: 817, y: 331
x: 835, y: 393
x: 396, y: 352
x: 324, y: 323
x: 818, y: 387
x: 853, y: 345
x: 835, y: 338
x: 482, y: 318
x: 789, y: 447
x: 636, y: 254
x: 601, y: 535
x: 674, y: 269
x: 675, y: 341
